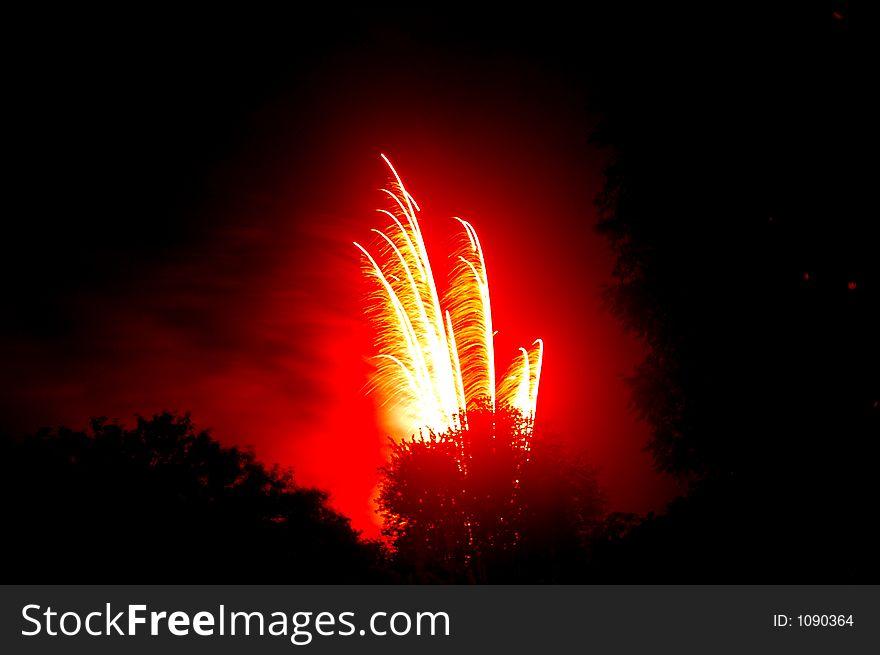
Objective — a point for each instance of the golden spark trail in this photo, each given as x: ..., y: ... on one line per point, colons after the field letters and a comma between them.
x: 437, y: 360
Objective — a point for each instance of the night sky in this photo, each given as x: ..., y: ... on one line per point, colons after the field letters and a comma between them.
x: 186, y: 194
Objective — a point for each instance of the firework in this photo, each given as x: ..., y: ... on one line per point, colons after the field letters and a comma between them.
x: 436, y: 359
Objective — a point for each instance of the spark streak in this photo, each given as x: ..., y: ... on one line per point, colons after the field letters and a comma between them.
x: 436, y: 360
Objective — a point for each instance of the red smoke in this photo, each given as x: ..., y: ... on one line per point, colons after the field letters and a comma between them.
x: 256, y: 325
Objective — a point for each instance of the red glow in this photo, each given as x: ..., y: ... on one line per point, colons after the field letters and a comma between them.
x: 256, y: 327
x: 851, y: 285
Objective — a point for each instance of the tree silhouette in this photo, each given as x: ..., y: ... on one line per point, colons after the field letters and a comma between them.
x: 746, y: 262
x: 488, y: 502
x: 162, y: 501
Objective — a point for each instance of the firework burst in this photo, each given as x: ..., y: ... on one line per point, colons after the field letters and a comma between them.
x: 436, y: 357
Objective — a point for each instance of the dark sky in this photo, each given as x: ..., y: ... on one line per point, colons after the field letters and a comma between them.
x: 186, y: 193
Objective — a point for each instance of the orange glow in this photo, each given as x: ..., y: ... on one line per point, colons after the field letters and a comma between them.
x: 436, y: 359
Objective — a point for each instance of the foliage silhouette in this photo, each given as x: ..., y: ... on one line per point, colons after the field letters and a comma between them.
x: 739, y: 207
x: 475, y: 505
x: 163, y: 502
x: 736, y: 207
